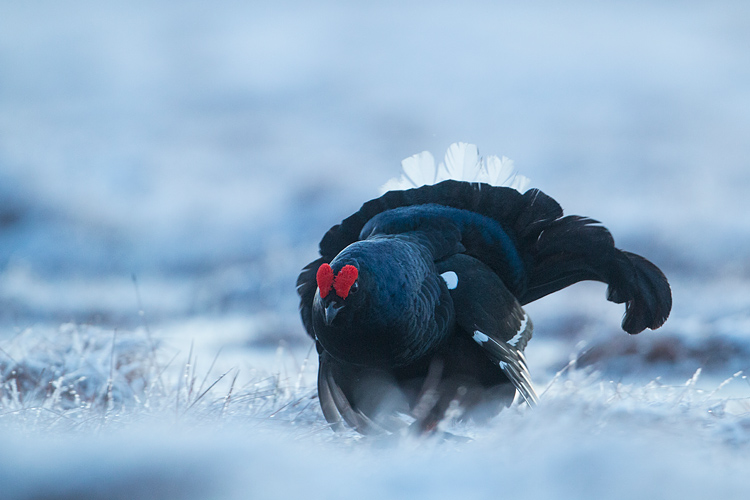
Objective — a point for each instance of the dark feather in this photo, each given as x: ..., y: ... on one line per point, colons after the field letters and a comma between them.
x: 369, y: 400
x: 335, y: 398
x: 306, y: 288
x: 330, y: 410
x: 512, y: 362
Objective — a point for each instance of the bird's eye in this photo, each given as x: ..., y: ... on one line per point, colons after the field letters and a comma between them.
x: 355, y: 287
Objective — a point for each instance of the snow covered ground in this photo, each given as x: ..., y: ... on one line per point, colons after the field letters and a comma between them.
x: 165, y: 171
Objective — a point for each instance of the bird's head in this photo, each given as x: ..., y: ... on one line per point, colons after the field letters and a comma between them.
x: 335, y: 288
x: 375, y: 304
x: 346, y: 309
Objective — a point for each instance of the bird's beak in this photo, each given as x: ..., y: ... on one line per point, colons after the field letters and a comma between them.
x: 331, y: 311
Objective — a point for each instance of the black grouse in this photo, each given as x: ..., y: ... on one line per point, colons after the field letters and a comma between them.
x: 416, y: 302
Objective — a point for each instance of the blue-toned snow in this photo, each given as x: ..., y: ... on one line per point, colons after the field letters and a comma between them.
x: 166, y: 170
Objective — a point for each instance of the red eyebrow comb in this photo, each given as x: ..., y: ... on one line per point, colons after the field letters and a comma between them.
x: 324, y: 278
x: 342, y: 282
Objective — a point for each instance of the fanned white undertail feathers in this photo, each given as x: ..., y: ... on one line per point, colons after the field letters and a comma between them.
x: 462, y: 163
x: 500, y: 172
x: 420, y: 168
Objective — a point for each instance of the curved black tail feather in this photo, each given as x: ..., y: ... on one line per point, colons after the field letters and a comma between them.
x: 573, y: 249
x: 645, y: 291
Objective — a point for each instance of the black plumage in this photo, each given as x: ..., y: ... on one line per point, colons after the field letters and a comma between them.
x: 422, y: 304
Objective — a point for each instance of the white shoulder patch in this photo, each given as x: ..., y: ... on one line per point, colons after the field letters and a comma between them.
x: 480, y: 338
x: 451, y: 279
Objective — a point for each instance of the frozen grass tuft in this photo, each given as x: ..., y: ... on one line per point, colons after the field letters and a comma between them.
x: 68, y: 372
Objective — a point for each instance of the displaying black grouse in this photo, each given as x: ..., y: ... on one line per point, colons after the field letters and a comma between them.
x: 416, y: 301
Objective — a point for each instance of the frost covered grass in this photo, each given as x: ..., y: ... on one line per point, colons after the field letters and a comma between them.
x: 81, y: 378
x: 91, y: 413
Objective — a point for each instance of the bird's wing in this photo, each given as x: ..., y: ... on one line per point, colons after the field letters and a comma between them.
x: 486, y: 310
x: 511, y: 361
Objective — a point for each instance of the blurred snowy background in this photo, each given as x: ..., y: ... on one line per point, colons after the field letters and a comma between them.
x: 204, y: 149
